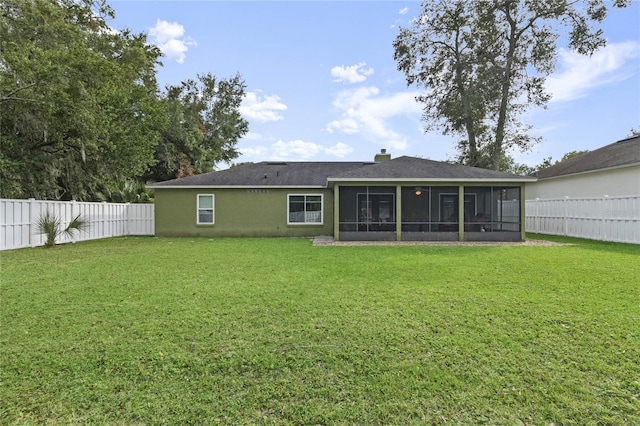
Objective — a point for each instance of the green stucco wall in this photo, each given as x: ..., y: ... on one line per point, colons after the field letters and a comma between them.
x: 238, y: 213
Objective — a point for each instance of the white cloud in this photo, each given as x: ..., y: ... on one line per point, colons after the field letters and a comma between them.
x: 171, y: 40
x: 351, y: 74
x: 262, y: 108
x: 256, y: 151
x: 339, y: 150
x: 364, y: 111
x: 296, y: 150
x: 403, y: 11
x: 580, y: 73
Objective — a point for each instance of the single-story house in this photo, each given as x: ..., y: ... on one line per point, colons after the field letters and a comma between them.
x: 612, y: 170
x: 400, y: 199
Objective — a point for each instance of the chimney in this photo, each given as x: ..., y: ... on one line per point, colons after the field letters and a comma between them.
x: 383, y: 156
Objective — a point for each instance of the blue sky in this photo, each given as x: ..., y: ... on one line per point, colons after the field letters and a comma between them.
x: 322, y: 84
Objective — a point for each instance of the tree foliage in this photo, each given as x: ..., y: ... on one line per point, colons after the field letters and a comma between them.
x: 525, y: 170
x: 482, y: 64
x: 204, y: 126
x: 82, y: 115
x: 126, y: 191
x: 79, y: 100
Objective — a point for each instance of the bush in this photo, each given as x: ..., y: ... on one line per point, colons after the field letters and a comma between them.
x: 51, y: 225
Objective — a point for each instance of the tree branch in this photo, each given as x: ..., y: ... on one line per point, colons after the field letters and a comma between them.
x: 10, y: 97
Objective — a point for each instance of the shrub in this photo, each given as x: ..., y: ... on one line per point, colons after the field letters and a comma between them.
x: 52, y: 226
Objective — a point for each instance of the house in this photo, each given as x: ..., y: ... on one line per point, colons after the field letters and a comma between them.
x: 612, y: 170
x: 404, y: 198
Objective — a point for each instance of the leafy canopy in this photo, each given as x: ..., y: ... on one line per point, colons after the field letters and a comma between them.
x: 483, y: 63
x: 204, y: 126
x: 82, y: 116
x: 79, y: 100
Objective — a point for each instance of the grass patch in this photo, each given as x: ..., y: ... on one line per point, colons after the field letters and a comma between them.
x: 275, y: 331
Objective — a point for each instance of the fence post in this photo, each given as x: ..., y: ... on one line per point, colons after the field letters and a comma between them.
x: 74, y: 208
x: 536, y: 219
x: 127, y: 218
x: 32, y: 242
x: 604, y: 217
x: 566, y: 215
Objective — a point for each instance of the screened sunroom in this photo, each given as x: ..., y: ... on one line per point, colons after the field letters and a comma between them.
x: 419, y: 212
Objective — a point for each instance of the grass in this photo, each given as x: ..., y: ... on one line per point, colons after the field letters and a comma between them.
x: 275, y: 331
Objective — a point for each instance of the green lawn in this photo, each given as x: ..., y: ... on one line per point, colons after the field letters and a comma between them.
x: 275, y: 331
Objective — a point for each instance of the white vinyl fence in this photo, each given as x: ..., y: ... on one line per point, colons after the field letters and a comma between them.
x: 18, y: 219
x: 597, y: 218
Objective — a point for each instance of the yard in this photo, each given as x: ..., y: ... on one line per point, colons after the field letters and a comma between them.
x: 276, y: 331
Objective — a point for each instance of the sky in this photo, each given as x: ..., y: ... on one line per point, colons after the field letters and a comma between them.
x: 322, y: 84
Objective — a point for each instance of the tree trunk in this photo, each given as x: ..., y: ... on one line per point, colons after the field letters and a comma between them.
x: 496, y: 149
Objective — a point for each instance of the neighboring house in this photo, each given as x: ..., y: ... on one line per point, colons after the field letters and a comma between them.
x: 397, y: 199
x: 612, y: 170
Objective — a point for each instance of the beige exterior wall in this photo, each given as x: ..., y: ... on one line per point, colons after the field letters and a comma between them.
x: 237, y: 213
x: 614, y: 182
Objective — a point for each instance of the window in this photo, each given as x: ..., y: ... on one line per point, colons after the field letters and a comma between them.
x: 305, y: 209
x: 205, y: 209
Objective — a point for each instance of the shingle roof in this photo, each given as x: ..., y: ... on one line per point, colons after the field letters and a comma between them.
x: 267, y: 174
x: 619, y: 154
x: 317, y: 174
x: 412, y: 168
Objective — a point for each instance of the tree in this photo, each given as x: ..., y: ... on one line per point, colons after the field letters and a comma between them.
x: 524, y: 170
x: 571, y: 154
x: 80, y: 107
x: 204, y: 127
x: 483, y: 63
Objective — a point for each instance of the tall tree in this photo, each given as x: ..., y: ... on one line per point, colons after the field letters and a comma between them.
x: 204, y: 127
x: 482, y: 63
x: 80, y: 109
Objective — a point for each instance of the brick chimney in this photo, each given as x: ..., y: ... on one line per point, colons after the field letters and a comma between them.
x: 383, y: 156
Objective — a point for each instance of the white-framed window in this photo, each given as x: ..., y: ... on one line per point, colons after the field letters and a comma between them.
x: 206, y: 209
x: 304, y: 209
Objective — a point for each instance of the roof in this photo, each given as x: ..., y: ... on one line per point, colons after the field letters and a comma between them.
x: 412, y: 168
x: 619, y: 154
x: 319, y: 174
x: 267, y: 174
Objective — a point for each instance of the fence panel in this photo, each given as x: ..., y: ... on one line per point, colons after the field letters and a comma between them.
x: 140, y: 219
x: 599, y: 218
x: 18, y: 220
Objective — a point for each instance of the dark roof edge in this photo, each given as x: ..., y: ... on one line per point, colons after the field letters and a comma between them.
x: 627, y: 139
x: 444, y: 180
x: 153, y: 186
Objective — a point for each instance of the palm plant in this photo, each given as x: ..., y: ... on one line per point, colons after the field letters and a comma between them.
x: 52, y: 226
x: 126, y: 191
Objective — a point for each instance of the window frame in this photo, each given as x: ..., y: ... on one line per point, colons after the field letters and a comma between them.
x: 289, y: 222
x: 199, y: 209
